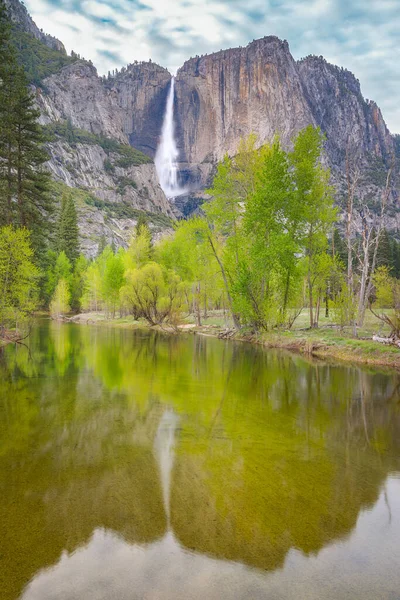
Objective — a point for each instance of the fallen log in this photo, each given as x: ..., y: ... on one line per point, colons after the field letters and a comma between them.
x: 228, y: 333
x: 388, y: 341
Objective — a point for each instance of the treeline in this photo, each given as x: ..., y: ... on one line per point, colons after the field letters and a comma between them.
x: 25, y: 201
x: 267, y: 247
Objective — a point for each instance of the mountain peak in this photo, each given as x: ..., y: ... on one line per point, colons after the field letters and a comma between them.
x: 20, y: 16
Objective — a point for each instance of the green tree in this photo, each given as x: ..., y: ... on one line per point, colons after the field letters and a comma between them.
x: 339, y: 247
x: 154, y: 293
x: 78, y: 282
x: 190, y: 255
x: 113, y: 281
x: 18, y: 278
x: 139, y: 250
x: 92, y: 288
x: 102, y: 245
x: 59, y: 267
x: 59, y: 305
x: 271, y: 221
x: 24, y: 183
x: 384, y: 257
x: 315, y: 197
x: 233, y: 182
x: 67, y: 229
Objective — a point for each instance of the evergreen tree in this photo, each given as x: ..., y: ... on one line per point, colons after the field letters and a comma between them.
x: 396, y: 258
x: 141, y: 222
x: 384, y: 256
x: 67, y: 230
x: 7, y: 65
x: 24, y: 184
x: 78, y: 282
x: 102, y: 245
x: 339, y: 247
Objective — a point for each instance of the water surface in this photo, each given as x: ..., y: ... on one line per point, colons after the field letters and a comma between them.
x: 143, y: 466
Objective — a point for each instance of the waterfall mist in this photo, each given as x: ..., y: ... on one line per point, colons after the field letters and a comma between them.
x: 167, y: 155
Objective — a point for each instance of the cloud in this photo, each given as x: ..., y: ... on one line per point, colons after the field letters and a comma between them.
x: 361, y: 36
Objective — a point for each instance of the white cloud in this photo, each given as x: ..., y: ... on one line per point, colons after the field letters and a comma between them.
x: 361, y: 36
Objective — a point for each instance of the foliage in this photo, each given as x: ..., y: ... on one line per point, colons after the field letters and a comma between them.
x: 153, y: 293
x: 387, y: 296
x: 67, y: 229
x: 18, y: 278
x: 59, y: 305
x: 112, y: 282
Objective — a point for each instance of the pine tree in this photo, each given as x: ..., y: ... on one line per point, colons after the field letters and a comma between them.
x: 67, y: 230
x: 102, y: 245
x: 24, y: 184
x: 396, y: 258
x: 141, y: 222
x: 385, y: 254
x: 7, y: 65
x: 339, y: 247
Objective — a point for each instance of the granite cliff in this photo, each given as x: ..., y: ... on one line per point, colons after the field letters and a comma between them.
x: 219, y: 99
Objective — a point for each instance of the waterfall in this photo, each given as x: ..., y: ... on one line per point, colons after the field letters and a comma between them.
x: 167, y: 152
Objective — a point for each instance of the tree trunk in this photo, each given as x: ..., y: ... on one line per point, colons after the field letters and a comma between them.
x: 198, y: 313
x: 235, y: 317
x: 310, y: 300
x: 317, y: 311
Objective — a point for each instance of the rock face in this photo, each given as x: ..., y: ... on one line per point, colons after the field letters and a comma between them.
x: 20, y: 15
x: 338, y: 107
x: 228, y: 95
x: 261, y: 89
x: 78, y: 94
x: 140, y: 92
x: 219, y: 99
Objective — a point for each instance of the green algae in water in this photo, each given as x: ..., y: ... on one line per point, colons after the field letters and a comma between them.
x: 137, y: 465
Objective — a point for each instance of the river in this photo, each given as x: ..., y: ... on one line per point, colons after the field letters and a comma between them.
x: 136, y: 465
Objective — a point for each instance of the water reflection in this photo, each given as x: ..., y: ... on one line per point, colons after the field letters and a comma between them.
x: 144, y: 466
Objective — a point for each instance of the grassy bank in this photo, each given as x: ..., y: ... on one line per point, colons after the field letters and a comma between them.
x: 327, y: 342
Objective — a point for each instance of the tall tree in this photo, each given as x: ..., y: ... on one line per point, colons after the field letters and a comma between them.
x: 339, y: 248
x: 24, y: 183
x: 314, y: 195
x: 113, y: 281
x: 67, y: 229
x: 384, y: 257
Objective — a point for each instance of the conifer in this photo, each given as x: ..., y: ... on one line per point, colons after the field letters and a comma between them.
x: 24, y: 184
x: 67, y: 230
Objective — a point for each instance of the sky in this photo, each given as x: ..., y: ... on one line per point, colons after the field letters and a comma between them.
x: 360, y: 35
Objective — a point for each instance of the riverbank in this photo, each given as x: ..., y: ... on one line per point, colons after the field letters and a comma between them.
x: 327, y: 342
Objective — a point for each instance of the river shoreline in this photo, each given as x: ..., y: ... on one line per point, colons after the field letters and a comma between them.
x: 325, y: 344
